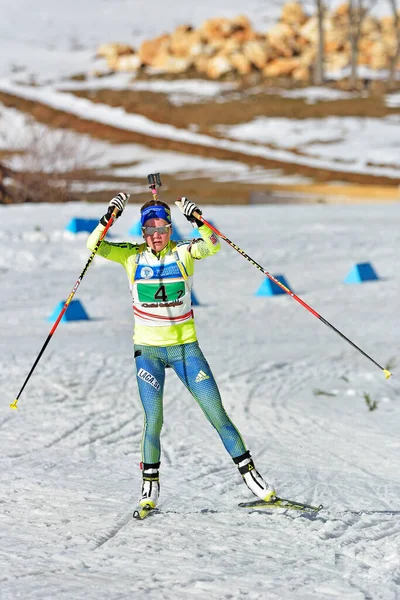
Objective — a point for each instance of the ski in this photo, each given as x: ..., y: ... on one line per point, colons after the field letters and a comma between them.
x: 281, y: 503
x: 141, y: 512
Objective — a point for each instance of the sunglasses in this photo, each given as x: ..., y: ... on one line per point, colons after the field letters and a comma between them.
x: 161, y: 230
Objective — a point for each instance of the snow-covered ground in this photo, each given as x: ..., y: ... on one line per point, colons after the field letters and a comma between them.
x: 69, y: 456
x: 41, y: 148
x: 341, y: 140
x: 358, y: 145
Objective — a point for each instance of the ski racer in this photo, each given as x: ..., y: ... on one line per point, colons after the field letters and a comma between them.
x: 160, y: 273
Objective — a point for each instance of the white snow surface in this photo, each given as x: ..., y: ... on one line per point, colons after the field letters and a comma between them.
x: 361, y: 143
x: 69, y: 457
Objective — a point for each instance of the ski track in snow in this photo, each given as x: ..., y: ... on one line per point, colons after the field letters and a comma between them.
x: 69, y: 456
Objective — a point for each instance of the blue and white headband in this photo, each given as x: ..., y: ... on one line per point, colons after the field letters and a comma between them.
x: 155, y: 212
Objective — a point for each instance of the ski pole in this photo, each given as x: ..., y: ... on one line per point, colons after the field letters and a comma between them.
x: 198, y: 216
x: 60, y: 316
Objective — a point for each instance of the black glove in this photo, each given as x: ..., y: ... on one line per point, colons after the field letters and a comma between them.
x: 188, y: 208
x: 119, y: 202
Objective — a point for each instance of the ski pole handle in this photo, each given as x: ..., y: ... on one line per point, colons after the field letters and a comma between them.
x: 154, y: 180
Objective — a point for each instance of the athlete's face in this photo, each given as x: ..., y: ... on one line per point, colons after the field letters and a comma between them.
x: 157, y: 233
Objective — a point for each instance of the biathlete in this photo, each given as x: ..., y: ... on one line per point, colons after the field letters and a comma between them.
x: 160, y: 273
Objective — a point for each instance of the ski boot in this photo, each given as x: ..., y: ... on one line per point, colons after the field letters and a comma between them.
x: 150, y: 485
x: 253, y: 479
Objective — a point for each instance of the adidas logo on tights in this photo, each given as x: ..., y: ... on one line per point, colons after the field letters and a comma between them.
x: 201, y: 376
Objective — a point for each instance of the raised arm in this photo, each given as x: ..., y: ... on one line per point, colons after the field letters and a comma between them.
x: 209, y: 244
x: 117, y: 252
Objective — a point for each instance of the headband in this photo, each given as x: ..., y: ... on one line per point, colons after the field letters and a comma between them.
x: 155, y: 212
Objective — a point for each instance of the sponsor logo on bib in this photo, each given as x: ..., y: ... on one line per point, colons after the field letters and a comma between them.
x: 146, y: 272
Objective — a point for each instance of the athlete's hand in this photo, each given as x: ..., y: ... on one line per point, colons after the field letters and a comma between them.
x: 118, y: 202
x: 188, y: 208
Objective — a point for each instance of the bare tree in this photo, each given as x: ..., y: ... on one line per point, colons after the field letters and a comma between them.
x: 319, y: 72
x: 395, y: 57
x: 43, y: 163
x: 5, y: 175
x: 356, y: 16
x: 358, y: 9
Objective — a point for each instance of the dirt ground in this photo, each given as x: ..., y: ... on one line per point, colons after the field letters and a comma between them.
x: 237, y: 107
x: 231, y: 108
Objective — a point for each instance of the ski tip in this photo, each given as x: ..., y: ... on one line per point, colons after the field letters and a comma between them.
x: 13, y: 405
x: 387, y: 373
x: 141, y: 512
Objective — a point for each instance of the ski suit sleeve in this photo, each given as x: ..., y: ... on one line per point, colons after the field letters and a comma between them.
x: 208, y: 245
x: 118, y: 252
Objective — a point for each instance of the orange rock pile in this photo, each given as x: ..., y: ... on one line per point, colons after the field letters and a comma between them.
x: 231, y: 46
